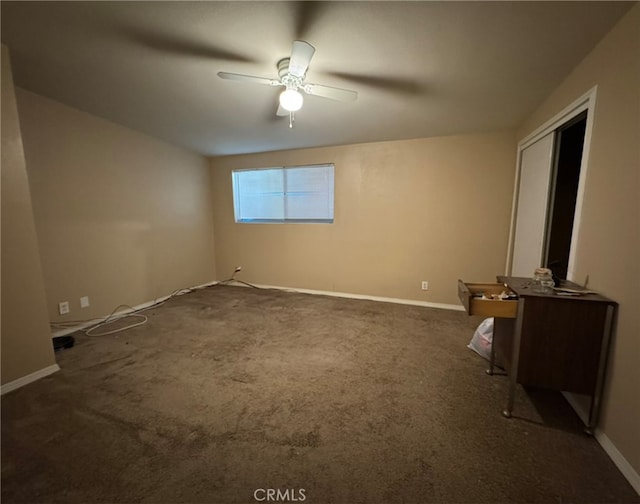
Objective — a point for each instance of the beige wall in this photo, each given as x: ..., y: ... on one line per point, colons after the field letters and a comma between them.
x: 609, y: 240
x: 26, y: 342
x: 121, y: 217
x: 433, y: 209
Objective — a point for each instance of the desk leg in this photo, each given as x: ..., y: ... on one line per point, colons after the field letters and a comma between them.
x: 515, y: 356
x: 492, y: 360
x: 507, y: 411
x: 594, y: 410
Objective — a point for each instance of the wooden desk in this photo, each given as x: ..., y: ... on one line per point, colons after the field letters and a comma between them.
x: 554, y: 342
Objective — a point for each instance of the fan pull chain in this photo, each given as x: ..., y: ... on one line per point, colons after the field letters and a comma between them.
x: 291, y: 119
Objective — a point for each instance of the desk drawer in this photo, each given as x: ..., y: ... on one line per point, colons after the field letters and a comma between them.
x: 477, y: 299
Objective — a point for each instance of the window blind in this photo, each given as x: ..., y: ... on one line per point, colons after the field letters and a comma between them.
x: 284, y: 194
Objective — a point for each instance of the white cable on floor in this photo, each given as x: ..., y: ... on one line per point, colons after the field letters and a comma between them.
x: 136, y: 313
x: 88, y: 332
x: 144, y: 319
x: 111, y: 319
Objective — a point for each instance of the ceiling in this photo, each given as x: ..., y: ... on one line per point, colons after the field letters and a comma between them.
x: 421, y: 69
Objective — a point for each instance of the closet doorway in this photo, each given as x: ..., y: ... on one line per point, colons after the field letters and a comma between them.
x: 564, y: 194
x: 548, y: 193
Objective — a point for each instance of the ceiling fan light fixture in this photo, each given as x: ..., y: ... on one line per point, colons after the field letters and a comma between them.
x: 291, y: 100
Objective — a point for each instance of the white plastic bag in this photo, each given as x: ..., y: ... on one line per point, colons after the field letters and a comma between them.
x: 482, y: 339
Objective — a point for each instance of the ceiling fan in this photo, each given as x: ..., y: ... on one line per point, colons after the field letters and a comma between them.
x: 291, y: 75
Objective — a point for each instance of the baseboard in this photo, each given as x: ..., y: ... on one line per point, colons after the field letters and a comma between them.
x: 412, y: 302
x: 25, y: 380
x: 618, y: 459
x: 607, y: 445
x: 89, y: 323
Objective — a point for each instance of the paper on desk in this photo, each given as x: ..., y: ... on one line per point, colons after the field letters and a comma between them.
x: 565, y: 291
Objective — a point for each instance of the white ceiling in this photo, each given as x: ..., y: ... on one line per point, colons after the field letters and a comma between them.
x: 421, y: 68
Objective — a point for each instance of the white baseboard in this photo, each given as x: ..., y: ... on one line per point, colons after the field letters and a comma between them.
x: 618, y: 459
x: 89, y: 323
x: 25, y: 380
x: 607, y: 445
x: 413, y: 302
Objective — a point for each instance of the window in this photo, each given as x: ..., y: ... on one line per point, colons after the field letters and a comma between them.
x: 289, y: 194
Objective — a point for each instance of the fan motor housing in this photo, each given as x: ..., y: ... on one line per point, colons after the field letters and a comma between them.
x: 283, y: 67
x: 289, y: 81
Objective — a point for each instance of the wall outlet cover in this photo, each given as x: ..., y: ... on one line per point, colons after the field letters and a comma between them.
x: 63, y: 308
x: 84, y: 301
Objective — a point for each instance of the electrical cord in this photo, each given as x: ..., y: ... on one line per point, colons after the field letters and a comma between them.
x: 95, y: 324
x: 112, y: 317
x: 225, y: 282
x: 72, y: 323
x: 233, y: 279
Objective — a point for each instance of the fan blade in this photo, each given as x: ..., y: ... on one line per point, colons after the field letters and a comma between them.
x: 393, y: 84
x: 332, y: 93
x: 305, y: 13
x: 282, y: 111
x: 301, y: 55
x: 249, y: 78
x: 183, y: 46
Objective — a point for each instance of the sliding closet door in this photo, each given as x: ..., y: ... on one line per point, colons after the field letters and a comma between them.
x: 533, y: 202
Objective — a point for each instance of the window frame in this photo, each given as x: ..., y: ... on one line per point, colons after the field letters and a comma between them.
x: 330, y: 186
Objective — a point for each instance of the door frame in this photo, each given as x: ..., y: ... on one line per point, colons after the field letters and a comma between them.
x: 585, y: 102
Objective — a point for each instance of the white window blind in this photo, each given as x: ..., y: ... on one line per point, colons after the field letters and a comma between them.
x: 287, y: 194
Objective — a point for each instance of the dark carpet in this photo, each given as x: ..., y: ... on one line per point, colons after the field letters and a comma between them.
x: 238, y: 395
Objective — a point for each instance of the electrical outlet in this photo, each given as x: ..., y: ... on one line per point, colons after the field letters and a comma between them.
x: 425, y: 285
x: 63, y: 308
x: 84, y: 301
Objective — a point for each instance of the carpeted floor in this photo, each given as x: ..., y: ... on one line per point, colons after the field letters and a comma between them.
x: 228, y: 392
